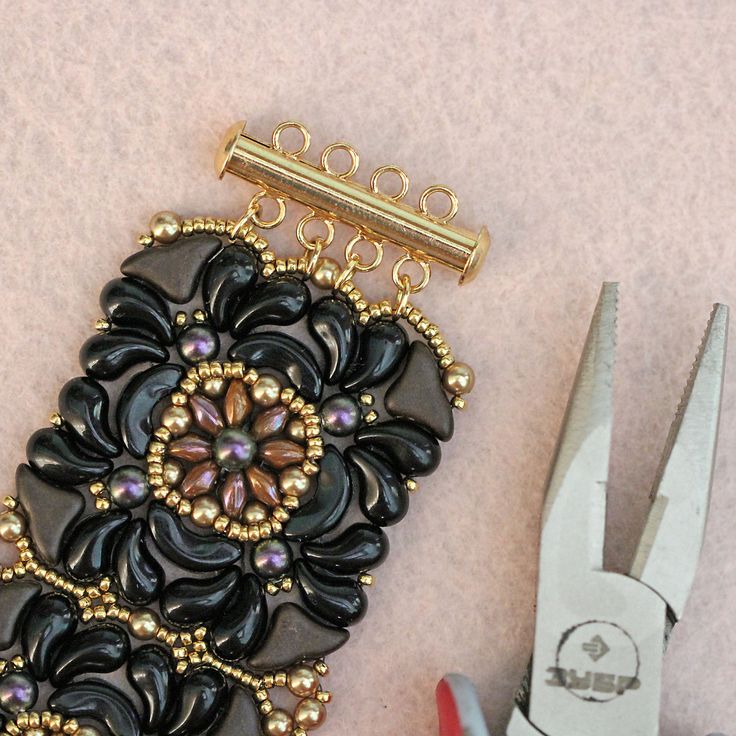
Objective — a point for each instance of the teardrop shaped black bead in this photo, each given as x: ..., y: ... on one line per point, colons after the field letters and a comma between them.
x: 341, y: 601
x: 285, y: 354
x: 384, y: 499
x: 359, y: 548
x: 137, y: 402
x: 333, y: 326
x: 383, y: 346
x: 84, y: 406
x: 109, y: 355
x: 99, y: 701
x: 329, y: 503
x: 410, y: 449
x: 88, y: 554
x: 277, y: 301
x: 186, y: 548
x: 242, y: 624
x: 200, y: 705
x: 139, y: 576
x: 131, y: 304
x: 189, y: 601
x: 103, y: 648
x: 151, y: 674
x: 53, y: 453
x: 228, y: 280
x: 47, y: 626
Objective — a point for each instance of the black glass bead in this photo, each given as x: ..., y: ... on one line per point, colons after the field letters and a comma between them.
x: 110, y: 354
x: 383, y: 346
x: 339, y: 601
x: 277, y: 301
x: 285, y: 354
x: 48, y: 626
x: 410, y: 449
x: 242, y: 717
x: 186, y: 548
x: 229, y: 278
x: 333, y: 326
x: 103, y: 648
x: 384, y: 499
x: 99, y: 701
x: 137, y: 402
x: 241, y: 625
x: 329, y: 503
x: 202, y: 699
x: 189, y: 601
x: 88, y: 554
x: 359, y: 548
x: 151, y: 673
x: 84, y: 406
x: 54, y: 454
x: 131, y: 304
x: 139, y: 576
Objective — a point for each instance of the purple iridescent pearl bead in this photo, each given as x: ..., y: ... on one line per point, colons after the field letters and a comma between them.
x: 271, y: 558
x: 18, y: 691
x: 341, y: 415
x: 128, y: 486
x: 235, y: 449
x: 197, y: 343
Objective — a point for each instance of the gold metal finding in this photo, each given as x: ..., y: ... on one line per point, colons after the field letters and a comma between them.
x: 333, y: 195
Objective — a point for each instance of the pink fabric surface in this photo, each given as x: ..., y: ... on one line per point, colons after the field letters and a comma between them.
x: 597, y: 142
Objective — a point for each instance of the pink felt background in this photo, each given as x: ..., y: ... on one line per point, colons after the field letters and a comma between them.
x: 597, y: 142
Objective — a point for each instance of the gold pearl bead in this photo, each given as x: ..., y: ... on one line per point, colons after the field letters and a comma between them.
x: 214, y: 388
x: 205, y: 509
x: 295, y: 429
x: 143, y: 623
x: 266, y: 391
x: 173, y: 473
x: 278, y: 723
x: 294, y: 482
x: 255, y: 512
x: 165, y: 227
x: 459, y: 379
x: 177, y: 419
x: 326, y: 273
x: 310, y: 713
x: 12, y: 526
x: 302, y: 680
x: 86, y: 731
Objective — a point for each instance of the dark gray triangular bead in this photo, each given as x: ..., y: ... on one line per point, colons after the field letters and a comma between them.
x: 50, y: 511
x: 242, y: 717
x: 173, y: 269
x: 294, y: 636
x: 14, y: 600
x: 418, y: 394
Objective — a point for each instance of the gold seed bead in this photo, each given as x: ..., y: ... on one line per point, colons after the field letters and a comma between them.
x: 165, y: 227
x: 10, y: 502
x: 321, y: 667
x: 365, y: 579
x: 411, y: 485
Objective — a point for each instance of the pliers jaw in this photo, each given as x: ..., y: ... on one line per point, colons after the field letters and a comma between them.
x: 600, y: 636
